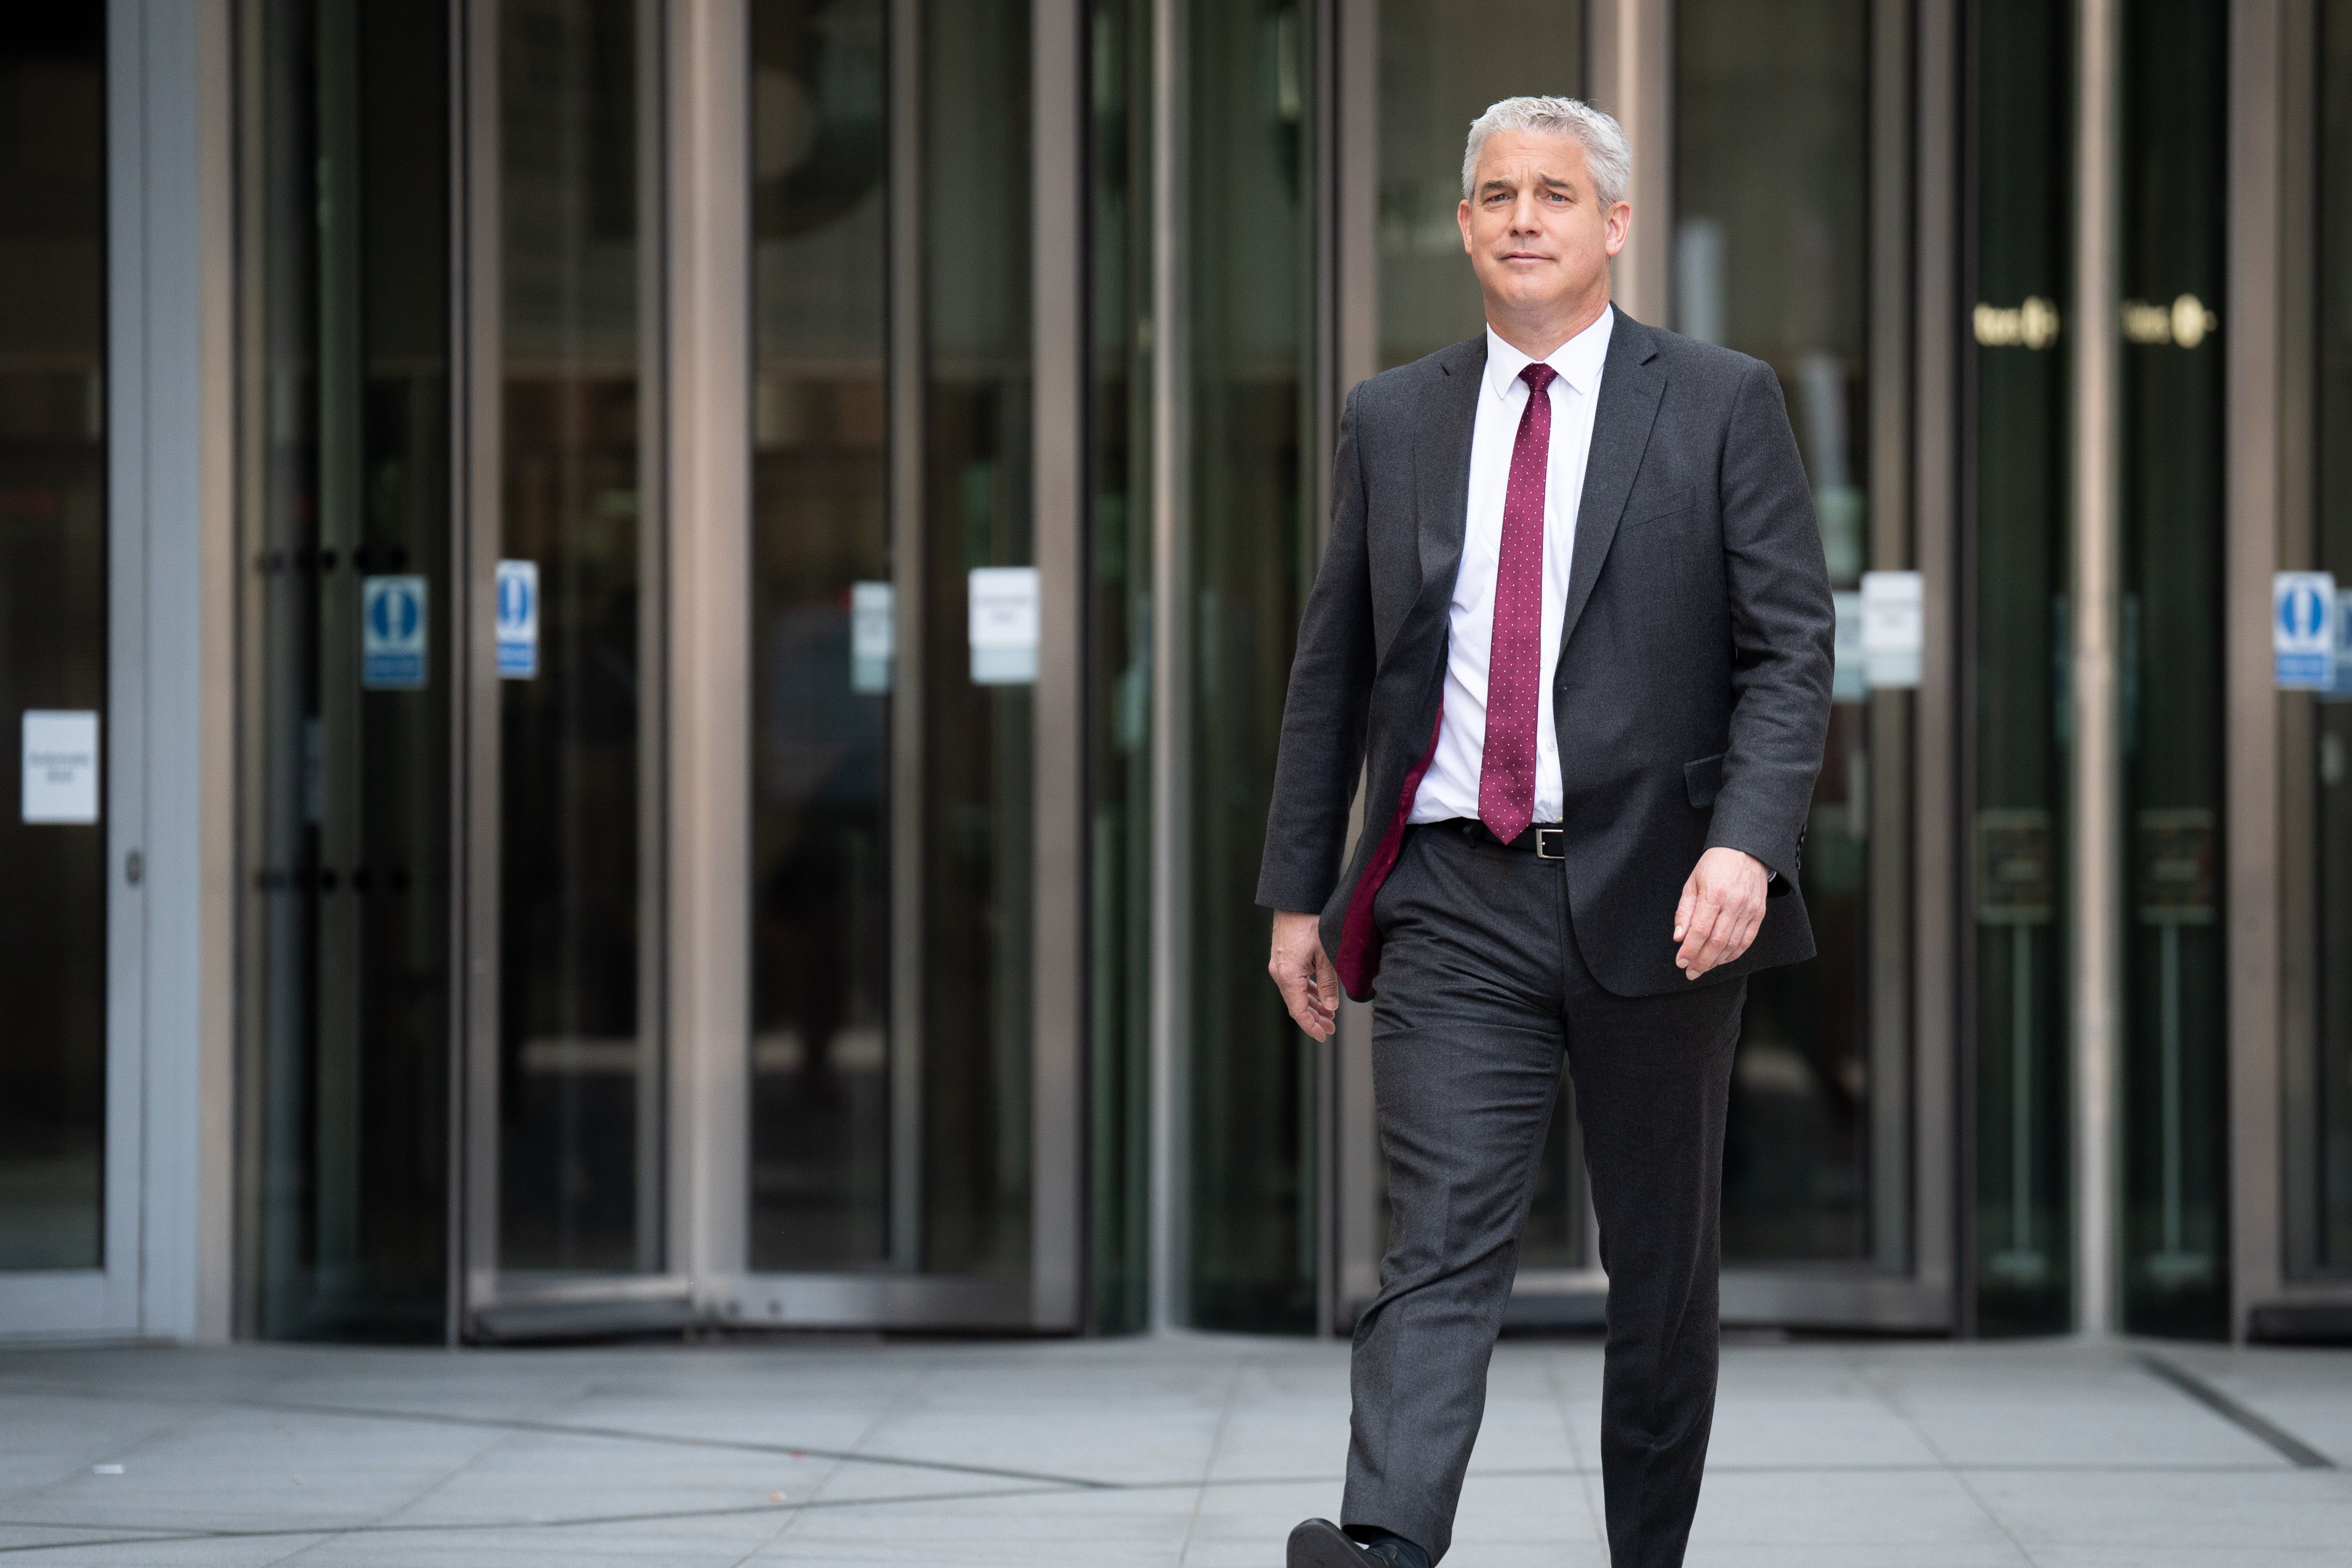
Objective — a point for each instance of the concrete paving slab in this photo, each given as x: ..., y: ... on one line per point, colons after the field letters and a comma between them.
x: 1183, y: 1452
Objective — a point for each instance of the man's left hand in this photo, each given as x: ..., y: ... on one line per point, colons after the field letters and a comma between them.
x: 1723, y: 903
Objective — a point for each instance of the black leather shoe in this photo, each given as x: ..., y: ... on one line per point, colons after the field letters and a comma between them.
x: 1319, y: 1543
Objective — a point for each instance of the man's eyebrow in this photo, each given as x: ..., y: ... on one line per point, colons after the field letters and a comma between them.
x: 1555, y: 182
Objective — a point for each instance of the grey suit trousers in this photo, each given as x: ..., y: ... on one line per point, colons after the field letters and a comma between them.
x: 1481, y: 989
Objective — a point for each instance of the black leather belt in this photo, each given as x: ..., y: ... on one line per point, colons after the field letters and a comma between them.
x: 1545, y: 841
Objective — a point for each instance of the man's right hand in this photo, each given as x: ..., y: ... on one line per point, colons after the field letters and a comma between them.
x: 1310, y: 985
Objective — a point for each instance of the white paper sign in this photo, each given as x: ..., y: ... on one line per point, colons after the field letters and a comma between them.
x: 1002, y: 619
x: 873, y: 636
x: 60, y: 765
x: 1893, y: 628
x: 518, y: 620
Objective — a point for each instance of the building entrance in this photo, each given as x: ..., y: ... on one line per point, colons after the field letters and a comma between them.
x: 496, y: 1085
x: 69, y: 963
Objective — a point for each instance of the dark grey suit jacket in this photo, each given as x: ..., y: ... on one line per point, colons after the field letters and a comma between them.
x: 1693, y: 689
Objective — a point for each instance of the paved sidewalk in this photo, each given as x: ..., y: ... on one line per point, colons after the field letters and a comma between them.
x: 1198, y: 1451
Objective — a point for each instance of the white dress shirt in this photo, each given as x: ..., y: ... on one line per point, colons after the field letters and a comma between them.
x: 1450, y: 788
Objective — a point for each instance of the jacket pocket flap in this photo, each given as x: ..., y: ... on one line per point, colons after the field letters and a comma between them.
x: 1658, y: 508
x: 1704, y: 779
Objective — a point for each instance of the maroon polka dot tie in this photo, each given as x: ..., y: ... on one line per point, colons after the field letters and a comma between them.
x: 1507, y: 768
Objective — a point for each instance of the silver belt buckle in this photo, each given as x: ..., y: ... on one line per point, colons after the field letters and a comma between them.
x: 1551, y: 843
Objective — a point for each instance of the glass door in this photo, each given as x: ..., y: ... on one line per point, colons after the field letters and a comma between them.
x: 346, y: 668
x: 69, y: 1079
x: 562, y: 798
x: 913, y: 1067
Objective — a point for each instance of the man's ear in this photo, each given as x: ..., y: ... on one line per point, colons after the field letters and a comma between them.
x: 1462, y: 217
x: 1618, y: 225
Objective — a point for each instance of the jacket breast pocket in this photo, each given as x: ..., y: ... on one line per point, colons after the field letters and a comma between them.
x: 1661, y: 509
x: 1702, y: 780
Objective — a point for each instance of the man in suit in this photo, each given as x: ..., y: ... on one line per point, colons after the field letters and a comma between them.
x: 1573, y: 629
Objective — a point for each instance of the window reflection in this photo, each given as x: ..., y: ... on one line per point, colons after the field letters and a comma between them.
x: 579, y: 1032
x: 1118, y: 686
x: 53, y: 607
x: 2174, y: 68
x: 823, y: 639
x: 1770, y: 258
x: 1253, y: 475
x: 2020, y: 193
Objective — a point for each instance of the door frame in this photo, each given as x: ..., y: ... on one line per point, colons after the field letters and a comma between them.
x: 1051, y: 1297
x: 167, y: 746
x: 484, y: 1304
x: 697, y: 73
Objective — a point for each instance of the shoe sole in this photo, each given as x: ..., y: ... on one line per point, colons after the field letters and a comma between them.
x: 1318, y: 1544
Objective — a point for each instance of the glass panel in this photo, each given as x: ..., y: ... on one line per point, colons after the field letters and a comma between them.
x: 977, y: 708
x: 1439, y: 72
x: 1118, y: 679
x: 1254, y: 474
x: 347, y: 525
x: 822, y: 639
x: 2326, y: 1242
x: 1772, y: 258
x: 2019, y: 124
x: 579, y: 1043
x: 2174, y: 71
x: 53, y: 631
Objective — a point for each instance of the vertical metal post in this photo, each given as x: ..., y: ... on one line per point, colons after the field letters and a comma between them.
x: 462, y: 654
x: 652, y: 1087
x: 1057, y: 428
x: 1935, y: 839
x: 480, y: 376
x: 1891, y: 718
x: 1632, y: 66
x: 707, y: 412
x: 1171, y: 650
x: 2255, y: 940
x: 2094, y: 784
x: 905, y: 250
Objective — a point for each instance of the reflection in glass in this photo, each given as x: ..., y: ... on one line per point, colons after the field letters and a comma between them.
x: 579, y: 1032
x: 1252, y: 315
x: 53, y: 627
x: 822, y: 639
x: 2175, y: 63
x: 1772, y: 184
x: 2326, y: 1242
x: 1118, y: 678
x: 1440, y: 68
x: 2018, y: 192
x: 978, y: 717
x: 345, y: 1071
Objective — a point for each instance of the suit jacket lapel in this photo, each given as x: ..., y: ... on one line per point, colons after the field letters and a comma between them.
x: 1631, y: 384
x: 1441, y: 462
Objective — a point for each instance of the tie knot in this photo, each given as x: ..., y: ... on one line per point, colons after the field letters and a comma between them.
x: 1538, y: 375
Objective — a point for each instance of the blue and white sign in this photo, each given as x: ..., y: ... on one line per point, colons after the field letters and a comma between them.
x: 518, y: 620
x: 392, y: 633
x: 2340, y: 690
x: 2303, y: 630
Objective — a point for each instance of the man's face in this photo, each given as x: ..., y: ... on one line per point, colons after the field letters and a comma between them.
x: 1537, y: 239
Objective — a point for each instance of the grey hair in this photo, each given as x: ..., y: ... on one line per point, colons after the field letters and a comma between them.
x: 1606, y: 152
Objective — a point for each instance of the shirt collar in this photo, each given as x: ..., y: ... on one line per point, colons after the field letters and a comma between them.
x: 1578, y: 361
